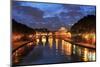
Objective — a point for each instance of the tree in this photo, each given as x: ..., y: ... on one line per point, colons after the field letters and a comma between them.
x: 86, y: 24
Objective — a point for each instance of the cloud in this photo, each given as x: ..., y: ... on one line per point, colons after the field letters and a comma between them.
x: 27, y: 15
x: 48, y: 15
x: 53, y: 23
x: 26, y: 10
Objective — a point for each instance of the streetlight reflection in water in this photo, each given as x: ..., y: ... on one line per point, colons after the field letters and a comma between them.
x: 44, y: 40
x: 66, y: 48
x: 37, y: 41
x: 89, y: 55
x: 59, y: 46
x: 50, y: 41
x: 56, y: 45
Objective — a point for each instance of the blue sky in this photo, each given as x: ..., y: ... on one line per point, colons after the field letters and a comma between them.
x: 49, y: 15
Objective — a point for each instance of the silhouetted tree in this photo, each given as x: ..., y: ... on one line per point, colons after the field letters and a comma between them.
x: 21, y: 28
x: 86, y: 24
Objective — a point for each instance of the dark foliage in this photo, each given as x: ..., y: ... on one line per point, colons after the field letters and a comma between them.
x: 21, y: 28
x: 86, y: 24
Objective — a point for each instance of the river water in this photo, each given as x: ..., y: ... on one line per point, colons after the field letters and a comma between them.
x: 49, y: 50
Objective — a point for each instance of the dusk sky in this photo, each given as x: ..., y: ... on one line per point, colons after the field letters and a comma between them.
x: 49, y: 15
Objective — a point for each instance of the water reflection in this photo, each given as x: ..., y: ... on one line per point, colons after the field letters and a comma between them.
x: 50, y: 41
x: 21, y: 52
x: 63, y: 46
x: 16, y: 58
x: 89, y: 55
x: 68, y: 49
x: 85, y: 54
x: 59, y: 47
x: 44, y: 40
x: 56, y: 44
x: 74, y: 49
x: 37, y: 41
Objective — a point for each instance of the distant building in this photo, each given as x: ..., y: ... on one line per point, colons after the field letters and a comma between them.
x: 63, y: 32
x: 62, y: 29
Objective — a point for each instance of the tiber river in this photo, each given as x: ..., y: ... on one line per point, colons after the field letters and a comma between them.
x: 52, y: 50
